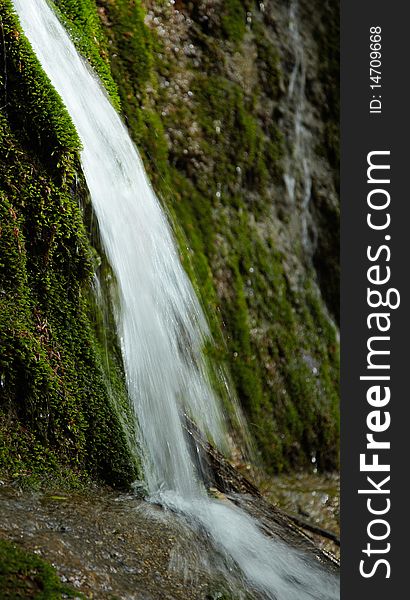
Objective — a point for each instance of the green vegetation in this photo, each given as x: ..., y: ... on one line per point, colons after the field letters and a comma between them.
x: 233, y: 20
x: 213, y: 159
x: 58, y: 413
x: 25, y: 575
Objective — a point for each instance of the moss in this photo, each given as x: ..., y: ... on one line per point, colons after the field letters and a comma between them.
x: 25, y: 575
x: 268, y: 62
x: 225, y: 21
x: 32, y: 106
x: 133, y: 39
x: 285, y: 362
x: 222, y: 107
x: 233, y: 20
x: 81, y: 19
x: 57, y: 413
x: 216, y: 189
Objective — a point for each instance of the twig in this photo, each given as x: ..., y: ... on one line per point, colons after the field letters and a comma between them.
x: 313, y: 528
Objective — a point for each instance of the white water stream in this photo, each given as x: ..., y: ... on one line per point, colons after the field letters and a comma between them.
x: 298, y: 164
x: 160, y: 323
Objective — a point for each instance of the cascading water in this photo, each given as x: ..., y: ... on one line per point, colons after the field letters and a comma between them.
x: 160, y: 323
x: 298, y: 163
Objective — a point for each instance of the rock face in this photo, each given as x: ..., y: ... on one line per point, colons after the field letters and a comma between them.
x: 234, y: 106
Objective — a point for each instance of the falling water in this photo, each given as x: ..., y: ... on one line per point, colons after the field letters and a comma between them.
x: 298, y: 164
x: 160, y: 323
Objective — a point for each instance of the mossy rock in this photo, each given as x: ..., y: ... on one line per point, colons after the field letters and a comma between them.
x: 60, y: 408
x: 25, y: 575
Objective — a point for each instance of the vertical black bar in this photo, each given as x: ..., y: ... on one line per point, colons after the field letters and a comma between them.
x: 363, y: 132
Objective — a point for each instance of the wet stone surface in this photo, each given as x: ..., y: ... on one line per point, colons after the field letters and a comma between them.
x: 109, y: 546
x: 312, y: 497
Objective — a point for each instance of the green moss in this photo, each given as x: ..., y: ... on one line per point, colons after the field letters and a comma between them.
x: 268, y: 62
x: 233, y: 20
x: 285, y: 362
x: 225, y: 21
x: 25, y: 575
x: 133, y: 40
x: 81, y: 20
x: 57, y: 412
x: 214, y: 206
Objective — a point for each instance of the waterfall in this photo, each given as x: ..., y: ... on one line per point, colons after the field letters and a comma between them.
x: 160, y: 323
x: 298, y: 163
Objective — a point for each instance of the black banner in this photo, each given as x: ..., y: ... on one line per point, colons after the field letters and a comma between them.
x: 375, y: 171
